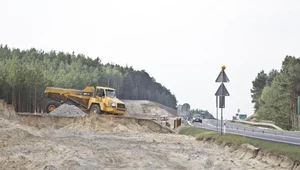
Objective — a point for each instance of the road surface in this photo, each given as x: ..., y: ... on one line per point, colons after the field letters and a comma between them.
x: 253, y: 132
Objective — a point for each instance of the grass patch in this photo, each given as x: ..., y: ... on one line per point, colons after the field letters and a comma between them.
x: 277, y: 148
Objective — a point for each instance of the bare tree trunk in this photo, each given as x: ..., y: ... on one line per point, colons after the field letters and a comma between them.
x: 19, y: 102
x: 35, y: 98
x: 118, y: 87
x: 7, y: 96
x: 296, y: 114
x: 30, y: 97
x: 294, y: 111
x: 27, y: 105
x: 13, y: 100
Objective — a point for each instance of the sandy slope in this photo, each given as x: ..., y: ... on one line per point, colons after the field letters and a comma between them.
x: 24, y: 147
x: 84, y: 144
x: 147, y: 109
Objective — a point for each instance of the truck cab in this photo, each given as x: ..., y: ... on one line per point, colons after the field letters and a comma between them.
x: 108, y: 101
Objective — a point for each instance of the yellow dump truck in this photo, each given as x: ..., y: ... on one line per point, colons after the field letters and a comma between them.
x: 92, y: 99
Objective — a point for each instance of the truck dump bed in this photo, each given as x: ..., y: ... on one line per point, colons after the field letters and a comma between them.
x: 78, y: 97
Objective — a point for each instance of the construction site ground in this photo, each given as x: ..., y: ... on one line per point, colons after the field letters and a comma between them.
x: 108, y: 142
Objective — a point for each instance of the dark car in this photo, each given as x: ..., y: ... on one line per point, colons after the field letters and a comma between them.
x: 197, y: 118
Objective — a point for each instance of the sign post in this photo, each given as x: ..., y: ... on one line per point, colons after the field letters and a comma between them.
x: 217, y: 113
x: 298, y: 112
x: 221, y: 93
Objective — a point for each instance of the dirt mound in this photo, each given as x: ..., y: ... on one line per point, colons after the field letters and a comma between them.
x: 15, y: 133
x: 120, y: 124
x: 7, y: 111
x: 147, y: 109
x: 66, y: 110
x: 68, y: 148
x: 110, y: 142
x: 97, y: 122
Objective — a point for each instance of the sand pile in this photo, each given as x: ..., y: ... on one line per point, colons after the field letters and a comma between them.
x: 74, y: 146
x: 7, y: 111
x: 66, y: 110
x: 147, y: 109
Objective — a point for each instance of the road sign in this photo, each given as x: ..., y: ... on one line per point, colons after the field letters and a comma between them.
x: 222, y: 77
x: 221, y: 101
x: 222, y: 91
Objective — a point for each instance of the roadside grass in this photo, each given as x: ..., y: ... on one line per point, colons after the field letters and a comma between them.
x: 277, y: 148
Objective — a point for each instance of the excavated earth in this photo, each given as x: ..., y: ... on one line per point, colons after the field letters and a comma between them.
x: 66, y: 110
x: 147, y: 109
x: 109, y: 142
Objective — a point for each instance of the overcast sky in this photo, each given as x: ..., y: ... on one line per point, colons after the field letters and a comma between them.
x: 182, y: 44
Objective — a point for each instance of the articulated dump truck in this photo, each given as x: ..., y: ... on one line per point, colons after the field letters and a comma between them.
x: 91, y: 99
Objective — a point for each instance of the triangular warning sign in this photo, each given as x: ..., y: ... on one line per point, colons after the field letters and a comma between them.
x: 222, y: 77
x: 222, y: 91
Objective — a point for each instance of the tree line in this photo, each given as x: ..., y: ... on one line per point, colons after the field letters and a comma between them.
x: 204, y: 113
x: 24, y: 75
x: 275, y: 94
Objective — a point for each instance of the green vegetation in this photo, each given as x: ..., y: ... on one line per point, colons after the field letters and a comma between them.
x: 24, y: 74
x: 204, y: 113
x: 291, y: 151
x: 275, y: 94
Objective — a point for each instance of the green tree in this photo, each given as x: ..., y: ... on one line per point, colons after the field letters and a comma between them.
x: 13, y: 76
x: 24, y: 74
x: 258, y: 85
x: 276, y: 103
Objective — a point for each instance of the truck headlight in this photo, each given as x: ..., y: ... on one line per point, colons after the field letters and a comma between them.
x: 113, y: 104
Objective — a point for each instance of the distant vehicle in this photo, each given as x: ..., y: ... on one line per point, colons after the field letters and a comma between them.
x: 239, y: 117
x: 197, y: 118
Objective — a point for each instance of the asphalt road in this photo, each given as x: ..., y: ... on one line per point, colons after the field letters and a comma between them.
x: 253, y: 132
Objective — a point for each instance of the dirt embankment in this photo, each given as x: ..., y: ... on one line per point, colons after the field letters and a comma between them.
x: 107, y: 142
x: 254, y: 154
x: 147, y: 109
x: 107, y: 123
x: 7, y: 111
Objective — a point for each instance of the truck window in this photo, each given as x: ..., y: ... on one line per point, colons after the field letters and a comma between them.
x: 110, y: 93
x: 100, y: 93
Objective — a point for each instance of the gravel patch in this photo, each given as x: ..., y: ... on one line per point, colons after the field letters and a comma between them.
x: 66, y: 110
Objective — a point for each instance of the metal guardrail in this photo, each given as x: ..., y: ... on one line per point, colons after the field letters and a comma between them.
x: 258, y: 124
x: 267, y: 121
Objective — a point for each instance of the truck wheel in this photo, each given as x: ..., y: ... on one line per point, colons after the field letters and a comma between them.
x: 50, y: 106
x: 95, y: 109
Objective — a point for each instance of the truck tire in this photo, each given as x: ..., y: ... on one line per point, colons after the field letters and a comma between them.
x: 95, y: 109
x: 50, y: 106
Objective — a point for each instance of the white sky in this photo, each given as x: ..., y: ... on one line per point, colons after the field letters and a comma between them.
x: 182, y: 44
